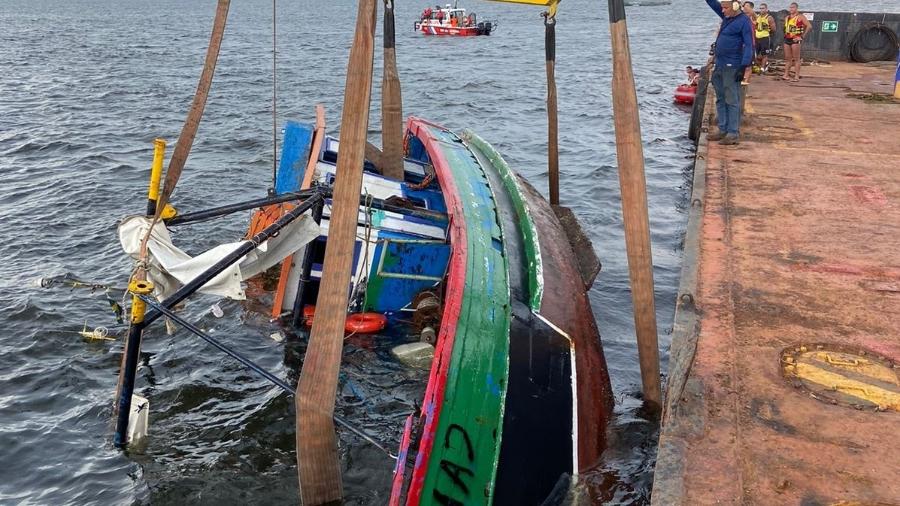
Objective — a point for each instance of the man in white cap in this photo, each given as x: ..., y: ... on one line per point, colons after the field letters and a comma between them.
x: 734, y: 55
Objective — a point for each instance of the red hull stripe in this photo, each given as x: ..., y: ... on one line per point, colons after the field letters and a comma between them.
x: 456, y: 278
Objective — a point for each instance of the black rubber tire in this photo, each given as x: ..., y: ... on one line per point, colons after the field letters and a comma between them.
x: 697, y: 109
x: 874, y: 42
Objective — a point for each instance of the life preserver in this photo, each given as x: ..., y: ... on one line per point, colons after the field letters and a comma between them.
x: 365, y: 323
x: 762, y: 26
x: 685, y: 94
x: 793, y: 27
x: 358, y: 323
x: 308, y: 313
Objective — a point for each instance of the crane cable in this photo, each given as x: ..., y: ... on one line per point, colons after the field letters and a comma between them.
x: 274, y: 95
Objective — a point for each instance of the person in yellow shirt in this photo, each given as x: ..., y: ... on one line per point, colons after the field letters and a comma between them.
x: 764, y: 24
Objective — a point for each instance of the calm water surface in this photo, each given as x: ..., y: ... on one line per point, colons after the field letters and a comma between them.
x: 85, y: 87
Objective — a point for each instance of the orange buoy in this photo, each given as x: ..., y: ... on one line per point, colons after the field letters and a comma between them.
x: 684, y: 94
x: 365, y: 323
x: 308, y: 313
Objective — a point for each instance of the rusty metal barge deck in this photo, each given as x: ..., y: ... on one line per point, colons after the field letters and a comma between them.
x: 783, y: 386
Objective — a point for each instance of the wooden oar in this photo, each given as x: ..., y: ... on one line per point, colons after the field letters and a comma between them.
x: 317, y: 454
x: 391, y: 102
x: 634, y: 202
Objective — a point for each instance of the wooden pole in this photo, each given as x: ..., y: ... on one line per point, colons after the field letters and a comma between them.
x: 634, y: 203
x: 552, y: 123
x: 317, y: 453
x: 391, y: 102
x: 375, y: 155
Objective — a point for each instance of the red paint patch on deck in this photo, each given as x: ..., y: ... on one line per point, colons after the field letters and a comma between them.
x: 869, y: 195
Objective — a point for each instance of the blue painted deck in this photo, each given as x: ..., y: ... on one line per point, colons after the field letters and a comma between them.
x: 295, y: 154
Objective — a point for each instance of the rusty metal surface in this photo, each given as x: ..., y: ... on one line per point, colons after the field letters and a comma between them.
x: 797, y: 243
x: 588, y: 262
x: 565, y: 303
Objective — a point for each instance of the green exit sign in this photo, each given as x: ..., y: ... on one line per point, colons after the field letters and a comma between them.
x: 829, y: 26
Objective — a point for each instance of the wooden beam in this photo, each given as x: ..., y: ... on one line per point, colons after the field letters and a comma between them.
x: 552, y: 116
x: 391, y: 103
x: 634, y: 203
x: 319, y: 467
x: 375, y: 155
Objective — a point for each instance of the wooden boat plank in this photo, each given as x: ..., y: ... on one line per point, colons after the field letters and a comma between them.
x: 541, y: 376
x: 463, y: 451
x: 566, y: 305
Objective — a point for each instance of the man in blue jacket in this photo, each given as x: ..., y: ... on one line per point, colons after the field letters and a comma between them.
x: 734, y: 54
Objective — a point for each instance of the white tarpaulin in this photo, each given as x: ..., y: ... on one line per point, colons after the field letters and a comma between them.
x: 170, y: 267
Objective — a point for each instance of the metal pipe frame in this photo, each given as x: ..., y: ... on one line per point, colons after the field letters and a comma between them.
x: 253, y: 366
x: 305, y: 273
x: 233, y: 257
x: 216, y: 212
x: 135, y: 333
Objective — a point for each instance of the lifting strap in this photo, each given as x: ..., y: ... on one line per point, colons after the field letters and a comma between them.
x: 318, y: 463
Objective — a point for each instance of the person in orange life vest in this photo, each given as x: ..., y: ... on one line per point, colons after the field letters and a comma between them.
x: 440, y: 17
x: 795, y: 27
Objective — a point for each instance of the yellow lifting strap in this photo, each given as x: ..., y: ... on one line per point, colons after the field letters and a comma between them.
x: 550, y: 4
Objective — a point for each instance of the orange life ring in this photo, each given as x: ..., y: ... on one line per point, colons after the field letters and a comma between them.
x: 359, y: 323
x: 365, y: 323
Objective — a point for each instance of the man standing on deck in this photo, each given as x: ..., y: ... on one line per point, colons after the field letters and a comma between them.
x: 765, y: 23
x: 734, y: 55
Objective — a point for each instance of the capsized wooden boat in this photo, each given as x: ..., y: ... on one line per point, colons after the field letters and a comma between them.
x: 518, y: 393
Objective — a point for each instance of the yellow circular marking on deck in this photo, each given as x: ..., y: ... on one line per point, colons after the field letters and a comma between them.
x: 844, y: 376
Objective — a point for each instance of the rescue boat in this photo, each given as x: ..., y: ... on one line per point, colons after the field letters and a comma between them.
x: 479, y: 262
x: 452, y: 21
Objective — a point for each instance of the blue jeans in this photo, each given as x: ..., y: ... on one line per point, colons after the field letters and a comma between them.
x: 726, y: 79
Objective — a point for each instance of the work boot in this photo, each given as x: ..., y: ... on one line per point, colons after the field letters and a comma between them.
x: 730, y: 140
x: 717, y: 136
